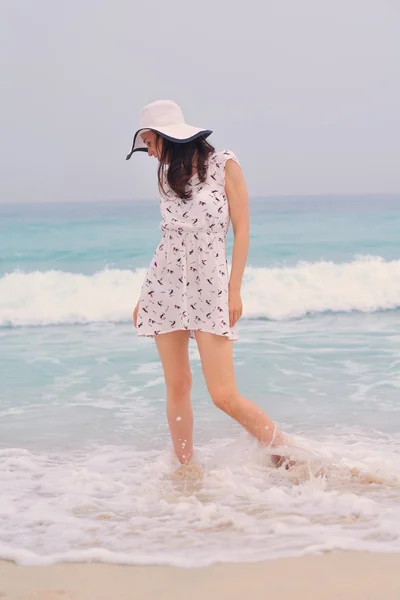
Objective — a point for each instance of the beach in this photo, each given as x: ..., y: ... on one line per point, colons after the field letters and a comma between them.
x: 333, y: 576
x: 94, y: 502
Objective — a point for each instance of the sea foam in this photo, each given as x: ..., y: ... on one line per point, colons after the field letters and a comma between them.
x: 366, y: 284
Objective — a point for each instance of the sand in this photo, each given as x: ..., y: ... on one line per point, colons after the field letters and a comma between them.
x: 339, y: 576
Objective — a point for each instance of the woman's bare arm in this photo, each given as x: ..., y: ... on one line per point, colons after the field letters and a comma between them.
x: 236, y: 191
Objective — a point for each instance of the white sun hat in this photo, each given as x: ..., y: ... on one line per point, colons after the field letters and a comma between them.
x: 166, y: 118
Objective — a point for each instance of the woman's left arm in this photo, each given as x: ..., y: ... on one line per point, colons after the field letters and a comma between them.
x: 236, y: 191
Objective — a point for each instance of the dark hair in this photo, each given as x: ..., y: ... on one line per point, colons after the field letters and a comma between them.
x: 179, y: 158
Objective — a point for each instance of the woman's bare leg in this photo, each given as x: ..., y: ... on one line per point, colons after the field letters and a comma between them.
x: 173, y: 350
x: 216, y: 354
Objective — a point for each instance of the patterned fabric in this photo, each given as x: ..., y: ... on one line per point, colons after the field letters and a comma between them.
x: 186, y: 286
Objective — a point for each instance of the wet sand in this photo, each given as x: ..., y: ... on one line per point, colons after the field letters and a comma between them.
x: 333, y: 576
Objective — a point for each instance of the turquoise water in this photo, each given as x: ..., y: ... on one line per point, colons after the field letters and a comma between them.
x: 85, y: 457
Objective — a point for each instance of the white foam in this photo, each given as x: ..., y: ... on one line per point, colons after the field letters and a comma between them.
x: 53, y: 297
x: 118, y: 504
x: 366, y: 284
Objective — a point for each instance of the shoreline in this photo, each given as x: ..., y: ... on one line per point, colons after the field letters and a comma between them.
x: 329, y: 576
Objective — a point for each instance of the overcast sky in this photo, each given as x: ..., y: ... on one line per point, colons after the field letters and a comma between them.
x: 305, y: 92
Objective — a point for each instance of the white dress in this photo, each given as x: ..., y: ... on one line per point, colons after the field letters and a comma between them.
x: 186, y: 285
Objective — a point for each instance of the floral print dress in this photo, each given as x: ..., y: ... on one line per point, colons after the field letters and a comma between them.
x: 186, y: 286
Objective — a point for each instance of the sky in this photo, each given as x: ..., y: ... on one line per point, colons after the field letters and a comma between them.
x: 305, y: 92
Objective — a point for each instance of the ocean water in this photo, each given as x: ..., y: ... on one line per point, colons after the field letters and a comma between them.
x: 86, y: 466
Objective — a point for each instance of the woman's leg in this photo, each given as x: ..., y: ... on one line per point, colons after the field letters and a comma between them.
x: 173, y: 350
x: 216, y: 354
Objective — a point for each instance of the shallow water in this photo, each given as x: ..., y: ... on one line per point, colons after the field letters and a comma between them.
x: 86, y: 468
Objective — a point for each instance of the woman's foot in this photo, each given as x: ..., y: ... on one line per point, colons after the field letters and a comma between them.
x: 281, y: 459
x: 188, y: 472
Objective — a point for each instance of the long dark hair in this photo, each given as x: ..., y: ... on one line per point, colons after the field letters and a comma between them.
x: 179, y: 158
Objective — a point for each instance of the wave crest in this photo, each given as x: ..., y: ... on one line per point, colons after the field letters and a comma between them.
x: 366, y: 284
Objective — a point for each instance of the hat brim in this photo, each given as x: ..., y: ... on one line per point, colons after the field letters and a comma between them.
x: 179, y: 133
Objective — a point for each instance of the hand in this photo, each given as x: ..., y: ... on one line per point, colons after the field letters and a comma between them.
x: 235, y: 307
x: 135, y: 312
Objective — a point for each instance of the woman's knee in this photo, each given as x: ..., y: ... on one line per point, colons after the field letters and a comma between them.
x: 179, y: 386
x: 224, y: 397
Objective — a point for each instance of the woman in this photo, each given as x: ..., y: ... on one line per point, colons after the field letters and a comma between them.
x: 188, y: 291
